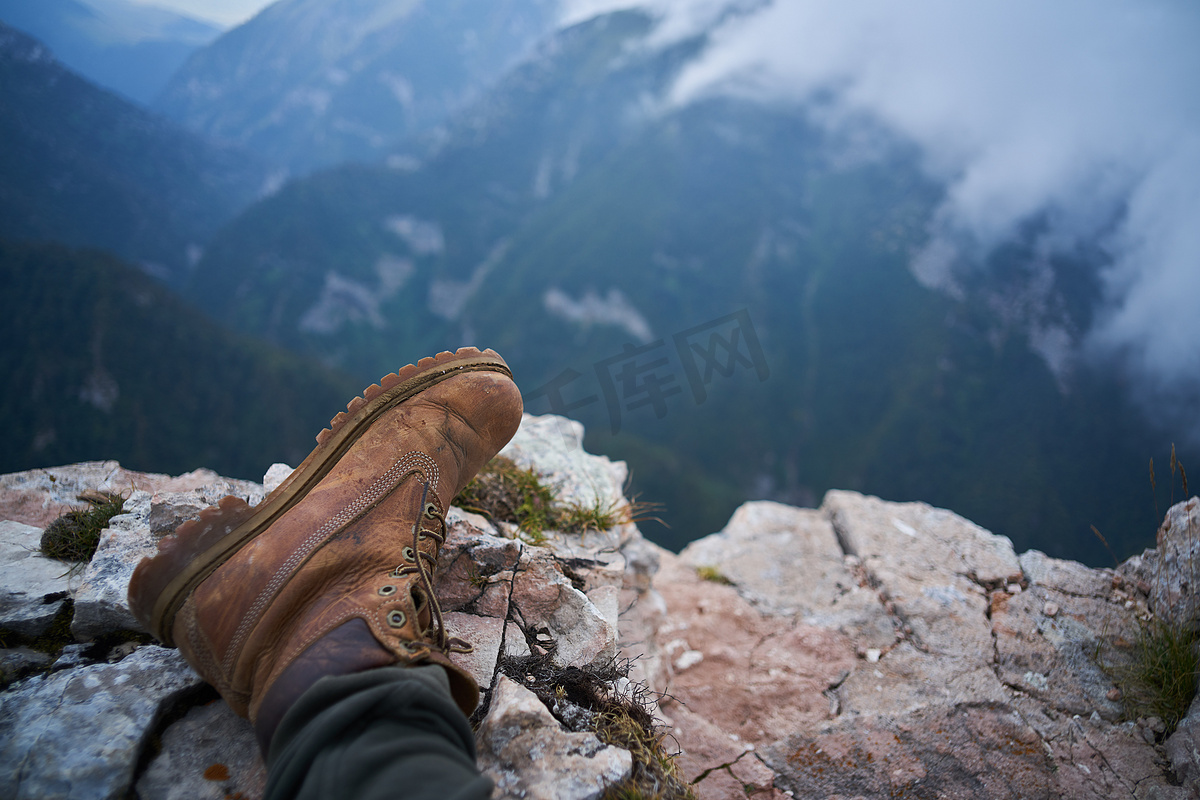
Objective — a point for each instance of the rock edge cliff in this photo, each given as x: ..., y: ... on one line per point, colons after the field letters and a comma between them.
x: 862, y: 649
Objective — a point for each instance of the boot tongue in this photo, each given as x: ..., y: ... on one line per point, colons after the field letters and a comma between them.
x: 424, y: 612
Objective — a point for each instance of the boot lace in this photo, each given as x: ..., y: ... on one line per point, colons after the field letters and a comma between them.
x: 422, y: 565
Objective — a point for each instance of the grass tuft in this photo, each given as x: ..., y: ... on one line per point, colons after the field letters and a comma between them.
x: 75, y: 535
x: 509, y: 493
x: 709, y: 573
x: 1160, y: 680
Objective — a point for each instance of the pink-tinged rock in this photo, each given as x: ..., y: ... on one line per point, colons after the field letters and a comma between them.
x: 456, y: 587
x: 493, y: 601
x: 38, y: 496
x: 545, y: 601
x: 985, y: 753
x: 472, y: 558
x: 720, y: 766
x: 759, y: 677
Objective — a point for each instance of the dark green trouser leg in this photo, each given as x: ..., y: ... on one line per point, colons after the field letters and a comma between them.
x: 384, y: 733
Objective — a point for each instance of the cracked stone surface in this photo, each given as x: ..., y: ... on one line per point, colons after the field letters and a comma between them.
x: 787, y: 561
x: 528, y: 754
x: 78, y: 733
x: 210, y: 754
x: 862, y: 649
x: 496, y: 590
x: 990, y: 684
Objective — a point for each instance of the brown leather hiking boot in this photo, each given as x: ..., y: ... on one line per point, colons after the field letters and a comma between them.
x: 332, y: 572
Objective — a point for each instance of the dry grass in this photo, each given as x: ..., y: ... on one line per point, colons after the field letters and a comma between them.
x: 586, y: 700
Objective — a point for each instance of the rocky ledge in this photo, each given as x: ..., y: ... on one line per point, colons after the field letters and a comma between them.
x: 862, y: 649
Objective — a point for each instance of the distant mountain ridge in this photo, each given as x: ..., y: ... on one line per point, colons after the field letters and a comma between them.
x: 82, y: 166
x: 100, y: 360
x: 571, y: 216
x: 310, y: 83
x: 125, y: 47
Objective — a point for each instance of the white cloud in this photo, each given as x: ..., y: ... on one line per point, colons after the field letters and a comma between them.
x: 227, y: 13
x: 1085, y: 111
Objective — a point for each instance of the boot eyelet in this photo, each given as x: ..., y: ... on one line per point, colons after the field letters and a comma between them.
x: 396, y: 618
x: 431, y: 511
x: 408, y: 554
x: 387, y: 591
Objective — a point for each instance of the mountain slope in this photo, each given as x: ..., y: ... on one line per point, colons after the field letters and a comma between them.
x: 310, y: 83
x: 84, y: 167
x: 573, y: 213
x: 125, y: 47
x: 102, y: 362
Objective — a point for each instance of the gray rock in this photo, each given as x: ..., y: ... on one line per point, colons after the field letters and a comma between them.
x: 1183, y: 749
x: 788, y: 562
x: 101, y: 602
x: 529, y: 755
x: 554, y: 445
x: 33, y: 588
x: 931, y: 564
x: 1089, y: 757
x: 907, y: 679
x: 78, y: 733
x: 16, y: 662
x: 1175, y: 581
x: 952, y: 544
x: 276, y: 474
x: 1055, y: 658
x: 72, y: 655
x: 1067, y: 577
x: 210, y: 754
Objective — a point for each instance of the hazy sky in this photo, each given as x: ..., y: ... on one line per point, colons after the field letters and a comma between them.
x: 224, y: 12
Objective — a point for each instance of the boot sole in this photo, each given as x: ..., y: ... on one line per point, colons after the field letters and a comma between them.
x: 161, y: 583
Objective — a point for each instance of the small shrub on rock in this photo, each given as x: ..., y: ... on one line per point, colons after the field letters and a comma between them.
x: 506, y: 492
x: 75, y: 535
